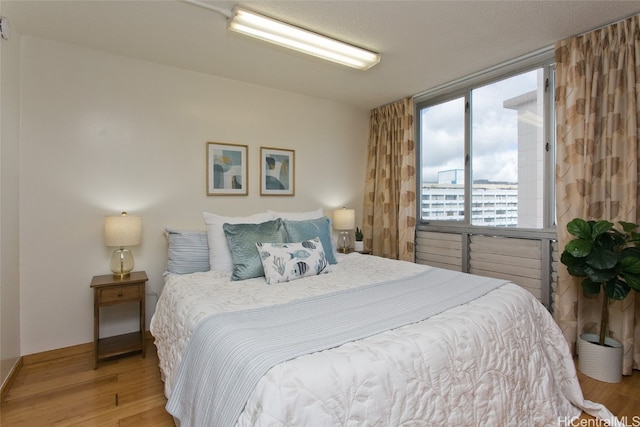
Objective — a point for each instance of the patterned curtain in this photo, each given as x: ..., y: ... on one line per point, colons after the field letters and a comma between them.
x: 597, y: 116
x: 390, y: 186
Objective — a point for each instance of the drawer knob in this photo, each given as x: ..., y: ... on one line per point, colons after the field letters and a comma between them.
x: 119, y: 294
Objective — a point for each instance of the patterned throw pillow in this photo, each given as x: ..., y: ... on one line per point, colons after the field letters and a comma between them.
x: 283, y: 262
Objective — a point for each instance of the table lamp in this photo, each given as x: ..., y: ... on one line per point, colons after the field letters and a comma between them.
x: 344, y: 220
x: 121, y: 231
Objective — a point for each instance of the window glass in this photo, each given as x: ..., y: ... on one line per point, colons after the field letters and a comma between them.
x: 442, y: 139
x: 507, y: 159
x: 495, y: 136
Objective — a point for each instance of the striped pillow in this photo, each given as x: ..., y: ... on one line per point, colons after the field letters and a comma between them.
x: 188, y: 251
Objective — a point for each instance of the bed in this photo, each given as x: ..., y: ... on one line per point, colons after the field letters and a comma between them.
x: 496, y: 359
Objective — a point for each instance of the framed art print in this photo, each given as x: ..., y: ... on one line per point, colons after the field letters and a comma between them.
x: 277, y: 172
x: 226, y: 169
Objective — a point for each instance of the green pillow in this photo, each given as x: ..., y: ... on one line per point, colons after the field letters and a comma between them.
x: 242, y: 239
x: 299, y: 231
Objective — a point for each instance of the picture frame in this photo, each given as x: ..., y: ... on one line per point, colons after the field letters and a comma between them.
x: 227, y: 166
x: 277, y: 171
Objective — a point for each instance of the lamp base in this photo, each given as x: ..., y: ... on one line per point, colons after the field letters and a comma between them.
x: 344, y: 242
x: 121, y: 263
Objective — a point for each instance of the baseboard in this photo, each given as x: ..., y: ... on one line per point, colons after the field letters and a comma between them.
x: 58, y: 353
x: 8, y: 382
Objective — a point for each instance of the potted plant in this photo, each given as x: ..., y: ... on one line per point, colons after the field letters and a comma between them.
x: 358, y: 246
x: 609, y: 260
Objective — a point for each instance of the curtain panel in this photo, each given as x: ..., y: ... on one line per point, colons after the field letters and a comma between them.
x: 389, y: 213
x: 597, y: 118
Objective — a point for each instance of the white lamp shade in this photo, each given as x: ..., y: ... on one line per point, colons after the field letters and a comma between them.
x: 123, y: 230
x: 344, y: 219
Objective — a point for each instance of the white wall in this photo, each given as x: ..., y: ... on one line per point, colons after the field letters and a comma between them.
x: 102, y: 133
x: 9, y: 205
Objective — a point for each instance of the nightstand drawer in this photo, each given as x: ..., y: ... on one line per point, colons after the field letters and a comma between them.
x: 121, y: 293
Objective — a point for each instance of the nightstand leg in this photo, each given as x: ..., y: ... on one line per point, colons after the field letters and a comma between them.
x: 96, y: 328
x: 142, y: 324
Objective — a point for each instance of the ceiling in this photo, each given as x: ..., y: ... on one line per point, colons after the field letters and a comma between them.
x: 423, y: 44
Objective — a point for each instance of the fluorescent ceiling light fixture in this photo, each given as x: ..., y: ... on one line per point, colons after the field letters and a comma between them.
x: 305, y: 41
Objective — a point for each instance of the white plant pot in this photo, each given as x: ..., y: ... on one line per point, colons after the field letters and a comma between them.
x: 603, y: 363
x: 358, y: 246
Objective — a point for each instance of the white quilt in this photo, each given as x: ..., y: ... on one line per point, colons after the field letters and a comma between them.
x: 500, y: 360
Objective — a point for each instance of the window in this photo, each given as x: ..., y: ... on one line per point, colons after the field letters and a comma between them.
x: 489, y: 146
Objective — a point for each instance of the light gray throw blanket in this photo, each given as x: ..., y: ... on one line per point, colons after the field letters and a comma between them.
x: 229, y: 352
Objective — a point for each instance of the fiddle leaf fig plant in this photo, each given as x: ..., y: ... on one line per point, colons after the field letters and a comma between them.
x: 607, y: 257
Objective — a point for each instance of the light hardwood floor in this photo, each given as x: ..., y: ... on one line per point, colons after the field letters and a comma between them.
x: 67, y: 391
x: 622, y: 399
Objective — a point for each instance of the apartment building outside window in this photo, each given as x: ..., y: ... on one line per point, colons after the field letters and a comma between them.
x: 487, y: 149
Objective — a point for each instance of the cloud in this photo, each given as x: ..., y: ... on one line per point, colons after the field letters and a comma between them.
x: 494, y: 132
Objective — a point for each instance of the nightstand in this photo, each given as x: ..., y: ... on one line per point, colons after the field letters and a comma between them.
x: 108, y: 291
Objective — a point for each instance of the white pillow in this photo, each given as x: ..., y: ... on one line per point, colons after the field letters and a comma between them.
x: 283, y: 262
x: 219, y: 252
x: 298, y: 216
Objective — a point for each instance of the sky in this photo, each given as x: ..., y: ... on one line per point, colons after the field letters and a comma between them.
x: 494, y: 132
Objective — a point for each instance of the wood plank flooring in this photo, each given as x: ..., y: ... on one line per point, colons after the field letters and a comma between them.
x: 67, y: 391
x: 622, y: 399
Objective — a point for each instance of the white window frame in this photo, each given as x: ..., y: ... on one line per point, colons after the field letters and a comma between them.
x: 462, y: 88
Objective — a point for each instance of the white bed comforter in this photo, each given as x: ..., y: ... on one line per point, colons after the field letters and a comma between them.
x: 500, y: 360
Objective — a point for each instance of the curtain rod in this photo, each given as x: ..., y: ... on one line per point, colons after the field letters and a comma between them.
x: 538, y: 53
x: 528, y: 59
x: 604, y: 25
